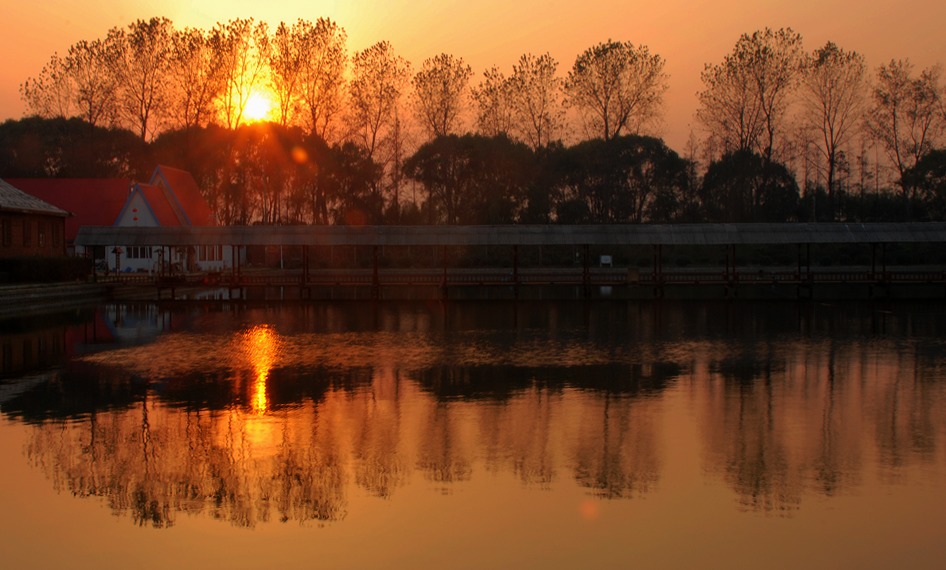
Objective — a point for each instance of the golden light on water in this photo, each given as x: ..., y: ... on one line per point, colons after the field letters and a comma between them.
x: 260, y: 346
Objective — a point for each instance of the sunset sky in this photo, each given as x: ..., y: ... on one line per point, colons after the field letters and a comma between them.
x: 687, y: 34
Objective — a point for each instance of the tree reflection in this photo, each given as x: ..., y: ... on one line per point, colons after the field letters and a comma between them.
x: 254, y: 424
x: 443, y: 456
x: 804, y: 421
x: 521, y: 435
x: 617, y: 453
x: 748, y: 436
x: 380, y: 466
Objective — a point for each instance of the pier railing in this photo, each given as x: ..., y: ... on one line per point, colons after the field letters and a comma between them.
x: 524, y: 277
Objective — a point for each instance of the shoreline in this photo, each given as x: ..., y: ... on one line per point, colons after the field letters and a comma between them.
x: 37, y: 299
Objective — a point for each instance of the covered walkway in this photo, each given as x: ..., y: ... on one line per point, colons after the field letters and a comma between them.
x: 877, y: 237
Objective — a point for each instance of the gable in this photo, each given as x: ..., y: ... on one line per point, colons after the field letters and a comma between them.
x: 183, y: 195
x: 137, y: 212
x: 161, y: 208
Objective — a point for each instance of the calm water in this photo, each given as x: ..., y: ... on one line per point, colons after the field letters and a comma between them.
x: 545, y: 435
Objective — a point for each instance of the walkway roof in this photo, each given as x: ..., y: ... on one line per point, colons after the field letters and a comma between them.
x: 596, y: 235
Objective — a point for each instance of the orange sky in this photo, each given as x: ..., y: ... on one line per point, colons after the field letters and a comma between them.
x: 687, y: 34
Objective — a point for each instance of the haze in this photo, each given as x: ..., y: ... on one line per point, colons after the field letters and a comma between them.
x: 687, y: 34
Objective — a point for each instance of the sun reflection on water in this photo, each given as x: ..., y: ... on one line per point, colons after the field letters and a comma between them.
x: 260, y: 345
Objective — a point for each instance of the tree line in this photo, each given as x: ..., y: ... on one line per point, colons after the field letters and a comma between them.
x: 784, y: 134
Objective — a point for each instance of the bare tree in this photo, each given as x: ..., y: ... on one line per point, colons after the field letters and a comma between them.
x: 745, y: 98
x: 378, y: 80
x: 196, y: 79
x: 537, y: 99
x: 439, y: 90
x: 52, y: 93
x: 905, y: 116
x: 140, y: 67
x: 88, y: 66
x: 834, y: 96
x: 322, y: 79
x: 242, y: 50
x: 494, y: 107
x: 307, y: 65
x: 286, y: 60
x: 617, y: 88
x: 729, y: 109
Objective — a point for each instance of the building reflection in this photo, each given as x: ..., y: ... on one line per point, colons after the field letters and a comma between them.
x: 282, y: 421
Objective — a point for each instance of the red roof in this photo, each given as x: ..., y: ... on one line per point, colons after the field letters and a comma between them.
x: 13, y: 199
x: 184, y: 187
x: 159, y: 204
x: 172, y: 194
x: 92, y: 201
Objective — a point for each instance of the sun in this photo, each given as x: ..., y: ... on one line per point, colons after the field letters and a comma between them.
x: 258, y: 107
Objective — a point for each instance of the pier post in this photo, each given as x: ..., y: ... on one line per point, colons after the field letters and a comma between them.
x: 443, y: 279
x: 585, y: 272
x: 304, y: 291
x: 658, y: 271
x: 799, y: 263
x: 515, y: 271
x: 375, y: 277
x: 883, y: 259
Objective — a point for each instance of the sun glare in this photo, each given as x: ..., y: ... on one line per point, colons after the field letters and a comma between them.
x: 258, y: 107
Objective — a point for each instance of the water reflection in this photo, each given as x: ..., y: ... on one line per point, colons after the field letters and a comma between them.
x: 812, y: 416
x: 260, y: 347
x: 281, y: 415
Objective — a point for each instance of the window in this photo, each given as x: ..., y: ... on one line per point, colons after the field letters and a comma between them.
x: 138, y: 252
x: 6, y: 231
x: 27, y: 233
x: 41, y: 237
x: 210, y: 253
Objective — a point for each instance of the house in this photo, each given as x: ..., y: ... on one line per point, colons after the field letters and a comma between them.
x: 169, y: 198
x: 29, y: 226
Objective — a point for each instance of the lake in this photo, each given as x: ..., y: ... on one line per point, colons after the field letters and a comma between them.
x: 603, y: 434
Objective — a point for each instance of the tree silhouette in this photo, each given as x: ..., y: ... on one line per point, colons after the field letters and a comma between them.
x: 70, y: 148
x: 745, y: 187
x: 745, y: 98
x: 141, y: 70
x: 472, y: 179
x: 196, y: 78
x: 242, y: 48
x: 616, y: 87
x: 306, y: 69
x: 439, y: 94
x: 286, y: 60
x: 494, y: 106
x: 322, y: 80
x: 928, y: 176
x: 834, y: 94
x: 83, y: 82
x: 628, y: 179
x: 536, y: 101
x: 378, y: 80
x: 905, y: 116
